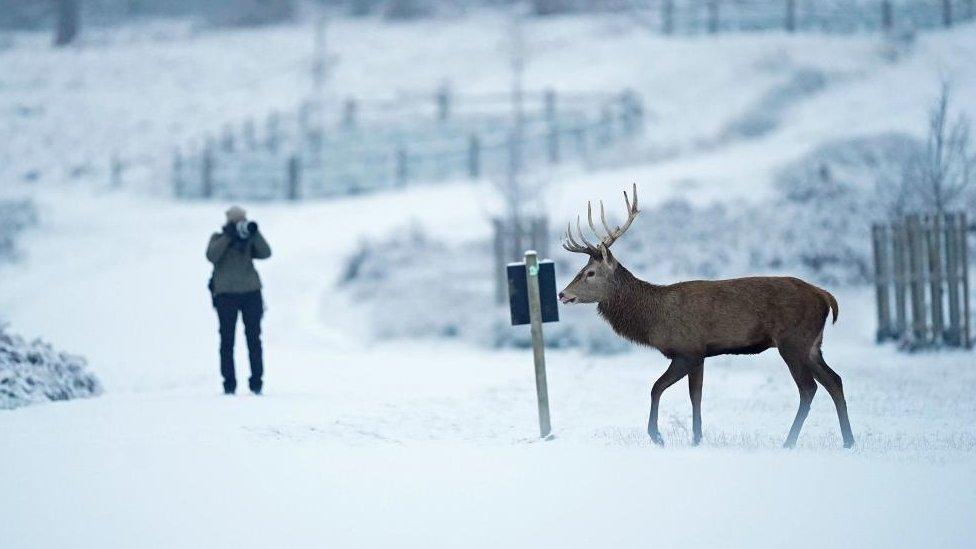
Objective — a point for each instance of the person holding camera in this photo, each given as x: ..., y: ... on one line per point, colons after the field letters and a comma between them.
x: 236, y: 287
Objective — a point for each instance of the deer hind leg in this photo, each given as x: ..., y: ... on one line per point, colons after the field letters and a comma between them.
x: 677, y: 370
x: 835, y: 387
x: 803, y: 377
x: 696, y: 373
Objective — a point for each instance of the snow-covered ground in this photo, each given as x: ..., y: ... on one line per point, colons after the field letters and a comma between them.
x: 433, y: 443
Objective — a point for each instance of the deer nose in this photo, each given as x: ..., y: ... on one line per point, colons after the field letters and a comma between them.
x: 561, y: 295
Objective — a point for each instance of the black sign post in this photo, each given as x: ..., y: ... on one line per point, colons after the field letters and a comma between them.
x: 532, y: 299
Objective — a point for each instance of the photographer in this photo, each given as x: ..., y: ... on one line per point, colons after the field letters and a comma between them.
x: 235, y: 286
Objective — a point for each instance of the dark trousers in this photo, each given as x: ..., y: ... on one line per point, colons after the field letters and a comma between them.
x: 251, y: 307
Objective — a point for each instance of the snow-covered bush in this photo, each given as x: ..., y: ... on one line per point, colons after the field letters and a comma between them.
x: 817, y: 226
x: 34, y: 372
x: 414, y: 286
x: 15, y: 216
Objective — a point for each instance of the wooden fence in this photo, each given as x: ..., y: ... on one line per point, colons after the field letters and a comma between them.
x: 715, y: 16
x: 367, y: 146
x: 922, y: 281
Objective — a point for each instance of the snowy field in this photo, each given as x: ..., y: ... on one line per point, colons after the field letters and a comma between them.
x: 432, y: 443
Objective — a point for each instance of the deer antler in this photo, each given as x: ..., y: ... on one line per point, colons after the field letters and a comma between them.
x: 612, y: 234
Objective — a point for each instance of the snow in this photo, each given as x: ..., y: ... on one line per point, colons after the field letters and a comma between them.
x: 431, y: 443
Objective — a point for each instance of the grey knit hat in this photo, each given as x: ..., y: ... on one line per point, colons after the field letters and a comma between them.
x: 235, y: 214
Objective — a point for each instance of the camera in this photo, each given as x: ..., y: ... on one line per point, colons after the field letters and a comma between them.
x: 243, y: 229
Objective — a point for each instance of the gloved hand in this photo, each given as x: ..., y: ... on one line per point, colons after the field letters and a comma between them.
x: 252, y: 227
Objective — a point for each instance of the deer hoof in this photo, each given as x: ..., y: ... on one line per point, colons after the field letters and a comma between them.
x: 656, y: 437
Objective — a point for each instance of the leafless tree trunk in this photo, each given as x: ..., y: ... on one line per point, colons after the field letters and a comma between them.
x: 68, y: 21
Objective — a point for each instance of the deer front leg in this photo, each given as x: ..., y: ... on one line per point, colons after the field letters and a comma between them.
x: 696, y: 373
x: 677, y: 370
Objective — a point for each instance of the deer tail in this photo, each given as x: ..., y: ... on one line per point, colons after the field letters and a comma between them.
x: 831, y: 302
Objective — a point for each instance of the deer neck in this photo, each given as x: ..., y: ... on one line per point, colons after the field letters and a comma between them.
x: 632, y: 308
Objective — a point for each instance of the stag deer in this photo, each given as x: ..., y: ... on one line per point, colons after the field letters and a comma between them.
x: 692, y: 320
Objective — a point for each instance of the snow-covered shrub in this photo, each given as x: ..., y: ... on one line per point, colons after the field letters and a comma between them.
x: 34, y: 372
x: 414, y: 286
x: 15, y: 216
x: 817, y: 226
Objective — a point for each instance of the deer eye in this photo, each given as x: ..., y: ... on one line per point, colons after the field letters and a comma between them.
x: 589, y: 274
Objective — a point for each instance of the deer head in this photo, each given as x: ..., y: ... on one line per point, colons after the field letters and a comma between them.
x: 594, y: 282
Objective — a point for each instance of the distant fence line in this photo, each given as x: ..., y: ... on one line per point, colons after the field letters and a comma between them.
x: 922, y: 281
x: 366, y: 146
x: 714, y: 16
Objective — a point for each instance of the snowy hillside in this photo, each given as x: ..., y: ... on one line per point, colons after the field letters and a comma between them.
x: 431, y: 442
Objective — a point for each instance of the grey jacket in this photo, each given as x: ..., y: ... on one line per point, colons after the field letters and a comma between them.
x: 234, y: 270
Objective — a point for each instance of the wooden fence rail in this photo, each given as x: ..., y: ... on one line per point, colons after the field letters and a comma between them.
x: 921, y: 280
x: 374, y: 145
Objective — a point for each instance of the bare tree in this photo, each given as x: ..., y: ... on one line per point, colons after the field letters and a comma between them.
x: 943, y: 173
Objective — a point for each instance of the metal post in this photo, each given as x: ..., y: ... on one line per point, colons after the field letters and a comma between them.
x: 947, y: 13
x: 881, y: 280
x: 790, y: 15
x: 712, y: 16
x: 538, y: 344
x: 934, y: 242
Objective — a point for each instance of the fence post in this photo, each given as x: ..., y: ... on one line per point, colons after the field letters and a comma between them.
x: 947, y: 13
x: 206, y: 171
x: 881, y: 279
x: 712, y: 16
x: 917, y: 280
x: 899, y: 241
x: 552, y: 127
x: 964, y: 268
x: 954, y: 332
x: 934, y: 244
x: 227, y: 139
x: 501, y: 277
x: 115, y: 171
x: 294, y: 177
x: 177, y: 174
x: 273, y: 131
x: 887, y: 16
x: 443, y: 99
x: 349, y: 114
x: 474, y: 156
x: 667, y: 17
x: 250, y: 137
x: 790, y: 15
x: 401, y: 166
